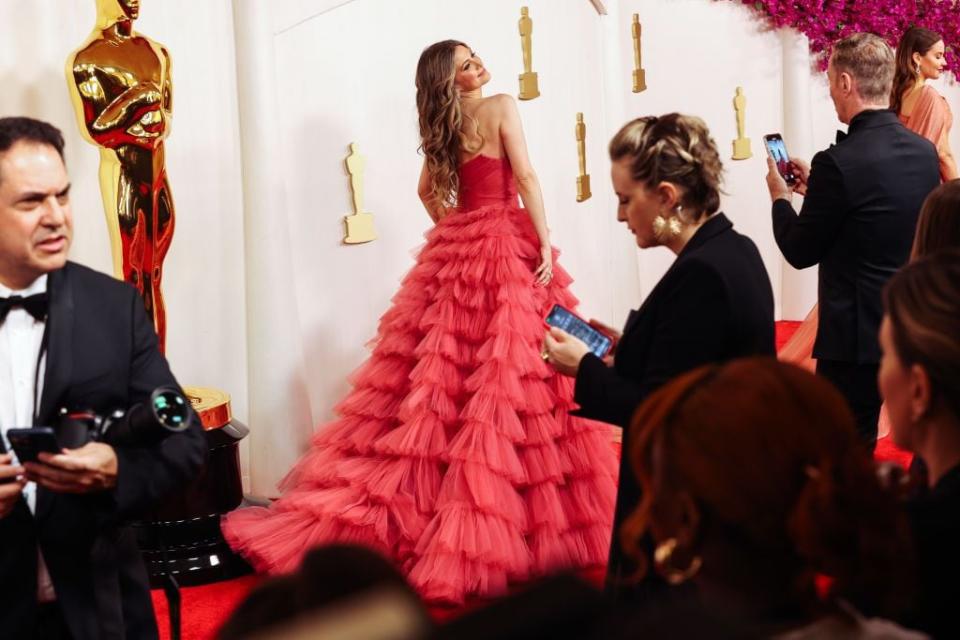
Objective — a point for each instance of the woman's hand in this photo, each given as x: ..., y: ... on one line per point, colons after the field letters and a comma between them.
x: 563, y: 352
x: 544, y: 272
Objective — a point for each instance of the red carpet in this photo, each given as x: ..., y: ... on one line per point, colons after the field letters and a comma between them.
x: 205, y: 608
x: 785, y: 329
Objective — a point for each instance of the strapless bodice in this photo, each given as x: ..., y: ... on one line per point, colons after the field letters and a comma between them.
x: 486, y: 181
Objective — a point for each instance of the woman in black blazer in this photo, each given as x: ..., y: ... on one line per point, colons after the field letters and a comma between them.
x: 919, y: 380
x: 713, y: 304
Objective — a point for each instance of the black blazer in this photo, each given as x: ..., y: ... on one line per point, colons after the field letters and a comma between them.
x: 858, y: 221
x: 935, y: 520
x: 102, y: 354
x: 714, y: 304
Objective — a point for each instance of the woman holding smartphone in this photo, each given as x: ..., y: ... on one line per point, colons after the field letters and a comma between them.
x: 713, y: 304
x: 455, y: 454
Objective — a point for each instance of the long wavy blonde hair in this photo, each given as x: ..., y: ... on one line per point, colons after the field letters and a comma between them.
x: 441, y: 120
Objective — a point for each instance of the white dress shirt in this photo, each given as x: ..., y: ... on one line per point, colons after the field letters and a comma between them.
x: 21, y: 386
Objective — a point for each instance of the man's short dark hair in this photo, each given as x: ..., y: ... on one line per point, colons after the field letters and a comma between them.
x: 14, y: 130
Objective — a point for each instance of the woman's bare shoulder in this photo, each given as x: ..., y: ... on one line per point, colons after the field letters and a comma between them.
x: 499, y: 102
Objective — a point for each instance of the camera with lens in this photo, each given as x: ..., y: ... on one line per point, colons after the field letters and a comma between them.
x: 166, y: 412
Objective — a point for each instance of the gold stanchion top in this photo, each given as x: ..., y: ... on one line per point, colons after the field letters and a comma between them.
x: 212, y: 405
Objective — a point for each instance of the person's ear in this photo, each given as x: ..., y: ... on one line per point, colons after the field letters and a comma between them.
x: 688, y: 523
x: 846, y: 82
x: 921, y: 393
x: 668, y: 195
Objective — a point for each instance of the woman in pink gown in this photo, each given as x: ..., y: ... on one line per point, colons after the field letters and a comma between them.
x: 923, y: 111
x: 455, y: 453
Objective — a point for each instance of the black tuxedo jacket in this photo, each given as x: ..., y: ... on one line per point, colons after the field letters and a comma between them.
x: 858, y: 221
x: 101, y: 354
x: 714, y: 304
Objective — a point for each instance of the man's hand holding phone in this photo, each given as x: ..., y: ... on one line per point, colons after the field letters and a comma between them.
x: 11, y: 484
x: 779, y: 189
x: 802, y: 171
x: 91, y: 468
x: 784, y: 174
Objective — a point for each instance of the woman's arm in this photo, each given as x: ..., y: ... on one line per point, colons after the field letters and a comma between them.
x: 692, y: 315
x: 948, y: 164
x: 511, y: 133
x: 425, y: 191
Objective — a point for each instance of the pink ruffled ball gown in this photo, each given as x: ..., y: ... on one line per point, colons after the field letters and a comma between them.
x: 455, y: 453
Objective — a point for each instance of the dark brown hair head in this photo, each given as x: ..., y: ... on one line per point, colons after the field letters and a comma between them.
x: 922, y: 301
x: 769, y: 454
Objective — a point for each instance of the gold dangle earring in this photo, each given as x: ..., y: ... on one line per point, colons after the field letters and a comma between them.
x: 918, y: 68
x: 663, y: 563
x: 665, y: 229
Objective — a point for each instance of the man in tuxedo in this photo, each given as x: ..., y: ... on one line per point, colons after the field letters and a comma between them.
x: 862, y: 199
x: 76, y: 339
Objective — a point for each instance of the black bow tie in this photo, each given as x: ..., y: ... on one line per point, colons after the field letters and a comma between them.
x: 841, y: 136
x: 36, y: 305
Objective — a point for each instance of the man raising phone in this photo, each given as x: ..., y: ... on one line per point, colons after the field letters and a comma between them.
x: 71, y: 337
x: 862, y: 199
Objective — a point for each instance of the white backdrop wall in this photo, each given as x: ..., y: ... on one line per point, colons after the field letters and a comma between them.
x: 263, y: 300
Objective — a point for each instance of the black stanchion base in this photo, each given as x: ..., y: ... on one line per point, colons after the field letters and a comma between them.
x: 182, y: 536
x: 195, y: 552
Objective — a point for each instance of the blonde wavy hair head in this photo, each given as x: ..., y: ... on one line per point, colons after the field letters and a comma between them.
x: 677, y: 149
x: 441, y: 120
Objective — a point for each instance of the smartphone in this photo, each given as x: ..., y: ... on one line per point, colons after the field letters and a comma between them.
x: 563, y: 318
x: 27, y: 443
x: 777, y: 150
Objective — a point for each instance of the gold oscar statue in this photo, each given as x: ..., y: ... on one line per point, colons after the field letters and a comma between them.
x: 120, y: 86
x: 122, y: 93
x: 528, y: 79
x: 741, y: 146
x: 583, y: 180
x: 639, y: 75
x: 360, y: 224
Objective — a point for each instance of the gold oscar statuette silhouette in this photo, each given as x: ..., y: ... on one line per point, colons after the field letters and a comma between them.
x: 528, y: 79
x: 360, y: 224
x: 122, y: 93
x: 639, y: 75
x: 741, y: 146
x: 583, y: 180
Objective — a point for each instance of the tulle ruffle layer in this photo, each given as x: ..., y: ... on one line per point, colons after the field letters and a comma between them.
x: 454, y: 453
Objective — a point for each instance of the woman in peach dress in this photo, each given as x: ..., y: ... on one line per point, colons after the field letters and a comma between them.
x: 920, y: 57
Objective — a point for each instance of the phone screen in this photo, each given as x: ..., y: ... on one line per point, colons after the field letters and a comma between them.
x: 778, y: 151
x: 568, y: 321
x: 27, y: 443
